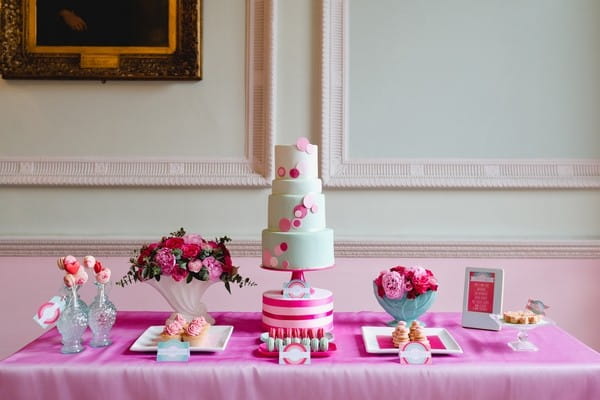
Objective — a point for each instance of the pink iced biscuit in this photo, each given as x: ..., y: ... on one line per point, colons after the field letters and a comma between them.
x: 89, y: 261
x: 103, y: 276
x: 69, y: 280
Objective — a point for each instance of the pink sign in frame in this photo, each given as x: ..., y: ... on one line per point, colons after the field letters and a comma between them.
x: 482, y: 297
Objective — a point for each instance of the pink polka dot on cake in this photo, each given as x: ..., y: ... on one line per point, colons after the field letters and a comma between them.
x: 294, y: 173
x: 266, y: 258
x: 297, y: 223
x: 308, y: 201
x: 281, y: 172
x: 277, y: 251
x: 283, y: 246
x: 285, y: 264
x: 284, y: 224
x: 300, y: 211
x: 314, y: 208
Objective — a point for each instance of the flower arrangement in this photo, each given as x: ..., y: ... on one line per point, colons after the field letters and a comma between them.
x: 400, y: 281
x: 185, y: 257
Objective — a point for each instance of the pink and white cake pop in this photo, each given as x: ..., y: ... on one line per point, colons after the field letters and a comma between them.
x: 89, y: 262
x: 103, y: 276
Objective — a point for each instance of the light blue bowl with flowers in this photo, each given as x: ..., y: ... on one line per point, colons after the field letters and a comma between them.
x: 405, y: 293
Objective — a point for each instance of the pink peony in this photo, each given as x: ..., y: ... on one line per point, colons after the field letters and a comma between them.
x: 194, y: 266
x: 214, y: 267
x: 393, y: 284
x: 192, y: 239
x: 179, y: 274
x: 165, y: 260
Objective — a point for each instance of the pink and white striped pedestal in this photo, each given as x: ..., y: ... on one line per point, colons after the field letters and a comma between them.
x: 283, y: 312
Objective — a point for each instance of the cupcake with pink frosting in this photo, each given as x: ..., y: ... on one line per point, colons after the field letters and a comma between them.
x: 171, y: 331
x: 195, y: 332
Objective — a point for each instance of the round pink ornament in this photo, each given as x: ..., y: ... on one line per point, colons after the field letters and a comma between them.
x: 284, y: 225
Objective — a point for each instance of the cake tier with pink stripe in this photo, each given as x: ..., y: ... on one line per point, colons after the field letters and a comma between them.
x: 283, y: 312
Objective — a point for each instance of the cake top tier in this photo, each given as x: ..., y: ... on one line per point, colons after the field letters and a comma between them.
x: 298, y: 161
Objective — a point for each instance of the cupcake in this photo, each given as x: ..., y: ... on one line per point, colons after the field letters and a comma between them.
x: 195, y: 332
x: 172, y: 331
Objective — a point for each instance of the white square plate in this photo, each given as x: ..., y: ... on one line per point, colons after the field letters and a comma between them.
x: 216, y: 339
x: 370, y: 333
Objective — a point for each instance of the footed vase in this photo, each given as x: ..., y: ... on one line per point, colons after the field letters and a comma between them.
x: 102, y: 316
x: 72, y: 322
x: 184, y: 298
x: 405, y: 309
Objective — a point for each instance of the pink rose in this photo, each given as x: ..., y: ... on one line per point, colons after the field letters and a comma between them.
x: 214, y: 267
x: 195, y: 265
x: 393, y: 284
x: 103, y: 276
x: 179, y: 274
x: 165, y: 260
x: 190, y: 250
x: 192, y: 239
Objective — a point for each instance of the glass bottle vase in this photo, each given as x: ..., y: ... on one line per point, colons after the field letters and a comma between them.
x: 72, y: 322
x: 102, y: 316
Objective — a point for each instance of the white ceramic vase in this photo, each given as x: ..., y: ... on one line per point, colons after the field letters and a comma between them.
x: 185, y: 298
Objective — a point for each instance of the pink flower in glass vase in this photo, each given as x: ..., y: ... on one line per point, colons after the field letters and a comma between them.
x: 165, y: 260
x: 194, y: 266
x: 190, y: 250
x: 393, y: 284
x: 214, y: 267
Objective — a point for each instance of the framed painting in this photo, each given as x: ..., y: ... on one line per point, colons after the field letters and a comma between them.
x: 110, y: 39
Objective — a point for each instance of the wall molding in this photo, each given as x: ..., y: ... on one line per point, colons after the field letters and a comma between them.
x: 254, y: 169
x: 338, y: 171
x: 123, y: 247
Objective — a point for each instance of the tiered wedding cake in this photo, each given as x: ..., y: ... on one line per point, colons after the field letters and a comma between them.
x: 297, y: 239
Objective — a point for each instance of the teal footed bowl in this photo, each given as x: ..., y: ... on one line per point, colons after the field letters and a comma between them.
x: 405, y: 309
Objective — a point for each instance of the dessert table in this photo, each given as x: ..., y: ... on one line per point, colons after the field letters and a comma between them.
x: 563, y: 368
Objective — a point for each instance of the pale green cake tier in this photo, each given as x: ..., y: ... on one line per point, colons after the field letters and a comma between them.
x: 297, y: 250
x: 303, y: 220
x: 296, y: 186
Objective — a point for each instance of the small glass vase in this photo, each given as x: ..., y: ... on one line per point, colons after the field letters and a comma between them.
x: 72, y: 322
x: 102, y: 316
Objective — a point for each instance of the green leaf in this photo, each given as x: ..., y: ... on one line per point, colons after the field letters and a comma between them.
x: 227, y: 287
x: 189, y: 278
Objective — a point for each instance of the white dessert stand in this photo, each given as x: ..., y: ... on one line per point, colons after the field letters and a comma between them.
x: 522, y: 343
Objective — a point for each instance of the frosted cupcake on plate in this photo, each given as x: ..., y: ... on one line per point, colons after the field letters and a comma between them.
x: 195, y: 332
x: 172, y: 331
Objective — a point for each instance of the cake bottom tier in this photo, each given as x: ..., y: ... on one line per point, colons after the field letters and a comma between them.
x: 284, y: 312
x: 297, y: 250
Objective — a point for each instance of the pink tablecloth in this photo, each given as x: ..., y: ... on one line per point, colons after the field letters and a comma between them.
x: 564, y: 368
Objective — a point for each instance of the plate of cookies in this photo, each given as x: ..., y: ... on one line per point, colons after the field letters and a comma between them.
x: 388, y: 340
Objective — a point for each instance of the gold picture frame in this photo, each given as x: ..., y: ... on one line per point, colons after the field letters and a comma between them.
x: 143, y: 40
